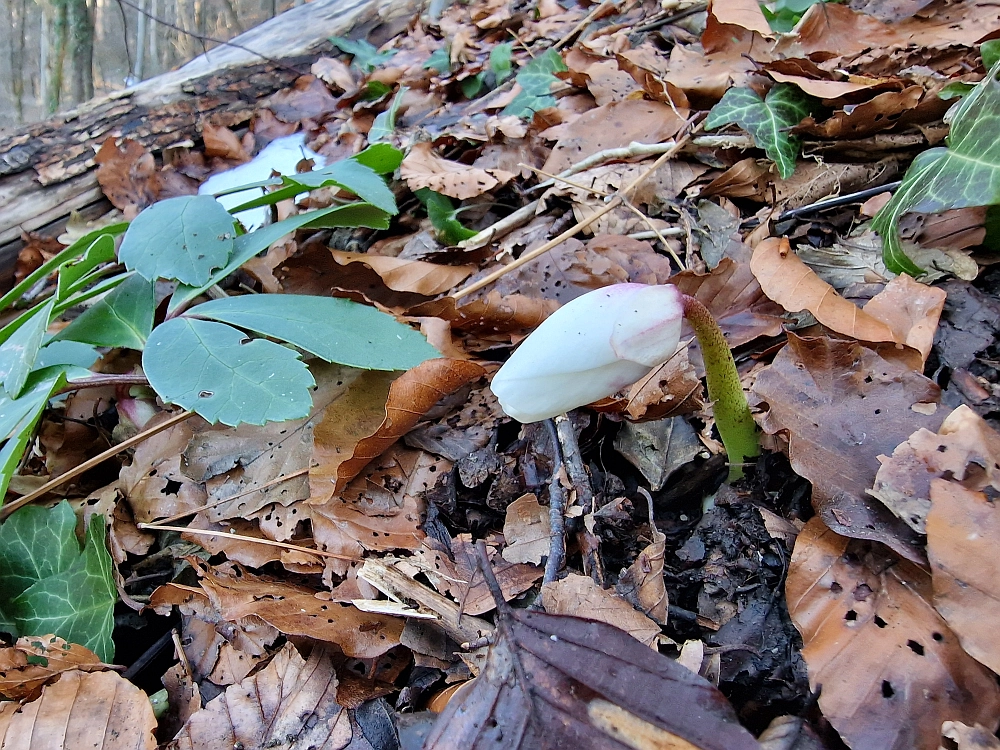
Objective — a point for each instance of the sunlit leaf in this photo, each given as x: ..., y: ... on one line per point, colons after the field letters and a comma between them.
x: 184, y: 238
x: 223, y: 375
x: 767, y: 120
x: 965, y: 173
x: 337, y: 330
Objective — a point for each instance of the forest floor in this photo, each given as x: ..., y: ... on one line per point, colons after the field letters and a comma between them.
x: 319, y: 582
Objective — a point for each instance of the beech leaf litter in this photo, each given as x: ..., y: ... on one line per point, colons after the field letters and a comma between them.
x: 400, y: 565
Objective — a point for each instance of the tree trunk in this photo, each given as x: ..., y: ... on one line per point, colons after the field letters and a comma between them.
x: 80, y: 24
x: 55, y: 17
x: 47, y: 169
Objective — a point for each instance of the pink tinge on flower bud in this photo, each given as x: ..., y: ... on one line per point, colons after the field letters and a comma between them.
x: 590, y: 348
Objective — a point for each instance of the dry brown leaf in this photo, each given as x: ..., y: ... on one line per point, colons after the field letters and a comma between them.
x: 642, y: 585
x: 610, y: 84
x: 890, y: 668
x: 613, y: 126
x: 33, y: 661
x: 579, y: 596
x: 965, y: 449
x: 527, y: 531
x: 99, y: 710
x: 417, y: 276
x: 127, y: 175
x: 747, y: 178
x: 963, y: 535
x: 492, y: 314
x: 335, y: 74
x: 307, y: 98
x: 650, y: 69
x: 236, y: 593
x: 821, y: 88
x: 744, y: 13
x: 839, y: 29
x: 976, y: 737
x: 841, y: 405
x: 422, y: 168
x: 222, y: 142
x: 879, y: 113
x: 291, y: 703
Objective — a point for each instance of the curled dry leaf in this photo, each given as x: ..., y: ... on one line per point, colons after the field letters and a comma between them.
x: 963, y: 535
x: 908, y: 315
x: 422, y: 168
x: 642, y: 583
x: 291, y: 703
x: 492, y: 314
x: 580, y: 596
x: 965, y: 449
x: 841, y: 406
x: 527, y: 531
x: 592, y: 687
x: 744, y: 13
x: 417, y: 276
x: 99, y: 710
x: 33, y: 661
x: 222, y: 142
x: 890, y: 668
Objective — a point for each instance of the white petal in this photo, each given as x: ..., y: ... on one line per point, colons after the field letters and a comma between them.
x: 648, y: 324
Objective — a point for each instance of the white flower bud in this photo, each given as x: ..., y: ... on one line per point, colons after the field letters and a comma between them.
x: 590, y: 348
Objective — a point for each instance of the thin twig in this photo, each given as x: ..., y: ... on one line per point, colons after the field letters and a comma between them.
x: 221, y: 501
x: 557, y: 510
x: 250, y: 539
x: 612, y: 204
x: 99, y: 381
x: 76, y: 471
x: 483, y: 559
x: 652, y: 227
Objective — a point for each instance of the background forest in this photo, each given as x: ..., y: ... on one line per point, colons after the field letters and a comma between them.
x: 57, y: 53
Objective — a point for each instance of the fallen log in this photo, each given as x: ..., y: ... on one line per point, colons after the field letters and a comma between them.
x: 47, y: 168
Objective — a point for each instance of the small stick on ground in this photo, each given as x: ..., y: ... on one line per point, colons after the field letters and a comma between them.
x: 557, y: 509
x: 573, y: 461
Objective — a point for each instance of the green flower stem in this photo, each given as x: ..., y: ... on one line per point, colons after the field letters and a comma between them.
x: 729, y: 403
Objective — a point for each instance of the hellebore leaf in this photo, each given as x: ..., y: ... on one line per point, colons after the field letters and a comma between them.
x: 440, y: 60
x: 965, y: 173
x: 75, y: 274
x: 337, y: 330
x: 19, y: 416
x: 218, y: 372
x: 385, y: 122
x: 18, y: 352
x: 49, y: 585
x: 122, y: 319
x: 766, y: 120
x: 536, y: 80
x: 183, y: 238
x: 444, y: 217
x: 366, y: 55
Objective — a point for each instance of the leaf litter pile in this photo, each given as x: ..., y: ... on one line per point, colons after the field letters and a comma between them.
x: 379, y: 573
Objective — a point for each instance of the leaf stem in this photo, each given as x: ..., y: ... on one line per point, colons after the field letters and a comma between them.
x: 729, y: 403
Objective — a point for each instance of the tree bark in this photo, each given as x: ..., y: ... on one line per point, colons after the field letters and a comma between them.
x: 80, y: 28
x: 47, y: 169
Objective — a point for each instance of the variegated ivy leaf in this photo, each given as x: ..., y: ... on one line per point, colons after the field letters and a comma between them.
x: 966, y: 173
x: 767, y: 120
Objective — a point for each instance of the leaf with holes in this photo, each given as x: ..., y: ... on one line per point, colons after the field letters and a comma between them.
x: 767, y: 120
x: 966, y: 173
x: 122, y: 319
x: 184, y: 238
x: 218, y: 372
x: 47, y: 585
x: 338, y: 330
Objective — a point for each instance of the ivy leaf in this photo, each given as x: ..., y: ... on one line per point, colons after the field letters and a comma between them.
x: 444, y: 217
x: 123, y: 319
x: 182, y: 238
x: 248, y: 245
x: 49, y: 585
x: 337, y: 330
x: 218, y: 372
x: 18, y: 352
x: 385, y: 122
x: 966, y: 173
x: 766, y: 120
x: 536, y: 80
x: 366, y: 55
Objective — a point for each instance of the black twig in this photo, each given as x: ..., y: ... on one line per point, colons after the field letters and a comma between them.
x: 557, y: 509
x: 483, y: 558
x: 840, y: 200
x: 673, y: 18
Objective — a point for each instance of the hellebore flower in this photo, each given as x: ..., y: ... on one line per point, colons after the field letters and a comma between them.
x: 590, y: 348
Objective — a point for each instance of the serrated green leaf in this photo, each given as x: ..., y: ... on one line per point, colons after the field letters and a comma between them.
x: 18, y: 352
x: 77, y: 602
x: 385, y: 122
x: 444, y: 217
x: 353, y: 176
x: 248, y: 245
x: 123, y: 319
x: 384, y: 158
x: 500, y: 61
x: 337, y: 330
x: 220, y: 373
x: 766, y: 120
x: 184, y: 238
x: 439, y: 60
x: 366, y: 55
x: 69, y: 253
x: 536, y: 80
x: 74, y: 274
x: 965, y: 174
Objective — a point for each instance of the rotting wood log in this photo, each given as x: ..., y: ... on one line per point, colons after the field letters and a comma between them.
x: 47, y: 168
